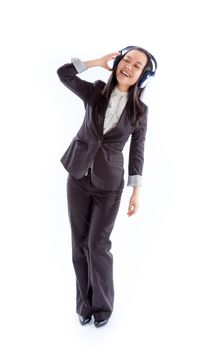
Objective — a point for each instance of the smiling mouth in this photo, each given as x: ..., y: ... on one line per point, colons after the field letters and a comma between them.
x: 125, y: 74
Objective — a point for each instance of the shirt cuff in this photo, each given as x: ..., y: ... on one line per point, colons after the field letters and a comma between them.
x: 78, y: 64
x: 134, y: 180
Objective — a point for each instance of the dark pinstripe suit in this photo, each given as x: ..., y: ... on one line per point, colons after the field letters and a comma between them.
x: 93, y: 200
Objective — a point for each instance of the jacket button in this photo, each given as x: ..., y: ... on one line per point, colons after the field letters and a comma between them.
x: 99, y: 141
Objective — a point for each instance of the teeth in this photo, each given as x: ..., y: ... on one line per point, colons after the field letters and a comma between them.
x: 127, y: 75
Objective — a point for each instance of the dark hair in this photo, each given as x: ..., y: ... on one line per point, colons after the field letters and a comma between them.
x: 137, y: 108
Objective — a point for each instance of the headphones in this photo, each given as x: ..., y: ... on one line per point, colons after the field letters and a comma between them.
x: 147, y: 74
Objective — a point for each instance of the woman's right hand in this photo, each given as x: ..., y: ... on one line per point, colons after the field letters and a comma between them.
x: 103, y: 61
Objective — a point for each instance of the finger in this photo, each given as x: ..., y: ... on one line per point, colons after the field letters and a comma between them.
x: 130, y: 213
x: 108, y: 68
x: 114, y: 54
x: 130, y: 209
x: 133, y: 210
x: 130, y: 206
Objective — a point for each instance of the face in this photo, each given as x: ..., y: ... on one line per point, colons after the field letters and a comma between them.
x: 130, y: 68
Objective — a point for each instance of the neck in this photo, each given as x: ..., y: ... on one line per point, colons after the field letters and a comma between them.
x: 122, y: 88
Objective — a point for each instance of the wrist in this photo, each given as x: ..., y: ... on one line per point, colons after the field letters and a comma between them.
x: 92, y: 63
x: 136, y: 190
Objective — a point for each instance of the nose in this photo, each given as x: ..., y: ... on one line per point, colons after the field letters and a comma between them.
x: 127, y: 66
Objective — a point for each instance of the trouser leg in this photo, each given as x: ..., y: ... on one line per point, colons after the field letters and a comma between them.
x: 92, y: 215
x: 104, y: 211
x: 79, y: 211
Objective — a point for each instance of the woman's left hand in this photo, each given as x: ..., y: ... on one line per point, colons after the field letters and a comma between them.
x: 133, y: 205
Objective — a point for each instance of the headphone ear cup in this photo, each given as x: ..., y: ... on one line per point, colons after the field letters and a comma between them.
x: 116, y: 61
x: 144, y: 79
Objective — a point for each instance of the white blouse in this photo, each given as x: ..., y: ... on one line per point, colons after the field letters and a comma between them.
x: 116, y: 104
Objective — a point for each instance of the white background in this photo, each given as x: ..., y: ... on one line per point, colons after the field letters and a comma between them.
x: 168, y: 259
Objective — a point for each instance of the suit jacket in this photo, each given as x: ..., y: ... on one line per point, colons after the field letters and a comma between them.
x: 104, y: 150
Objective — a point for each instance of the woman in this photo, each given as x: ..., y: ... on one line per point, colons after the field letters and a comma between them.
x: 94, y: 162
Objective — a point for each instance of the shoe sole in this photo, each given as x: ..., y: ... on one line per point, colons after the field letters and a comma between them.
x: 98, y: 325
x: 85, y: 322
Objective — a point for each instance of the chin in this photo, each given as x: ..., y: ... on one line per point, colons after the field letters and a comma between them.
x: 123, y: 81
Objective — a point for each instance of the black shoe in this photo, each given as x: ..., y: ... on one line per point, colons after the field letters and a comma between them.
x: 100, y: 323
x: 84, y: 319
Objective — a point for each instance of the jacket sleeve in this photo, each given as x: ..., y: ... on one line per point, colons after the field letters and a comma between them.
x: 136, y: 152
x: 68, y: 76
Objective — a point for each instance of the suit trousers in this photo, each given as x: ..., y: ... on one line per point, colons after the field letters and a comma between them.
x: 92, y: 213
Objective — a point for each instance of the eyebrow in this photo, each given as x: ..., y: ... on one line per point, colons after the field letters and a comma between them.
x: 131, y: 58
